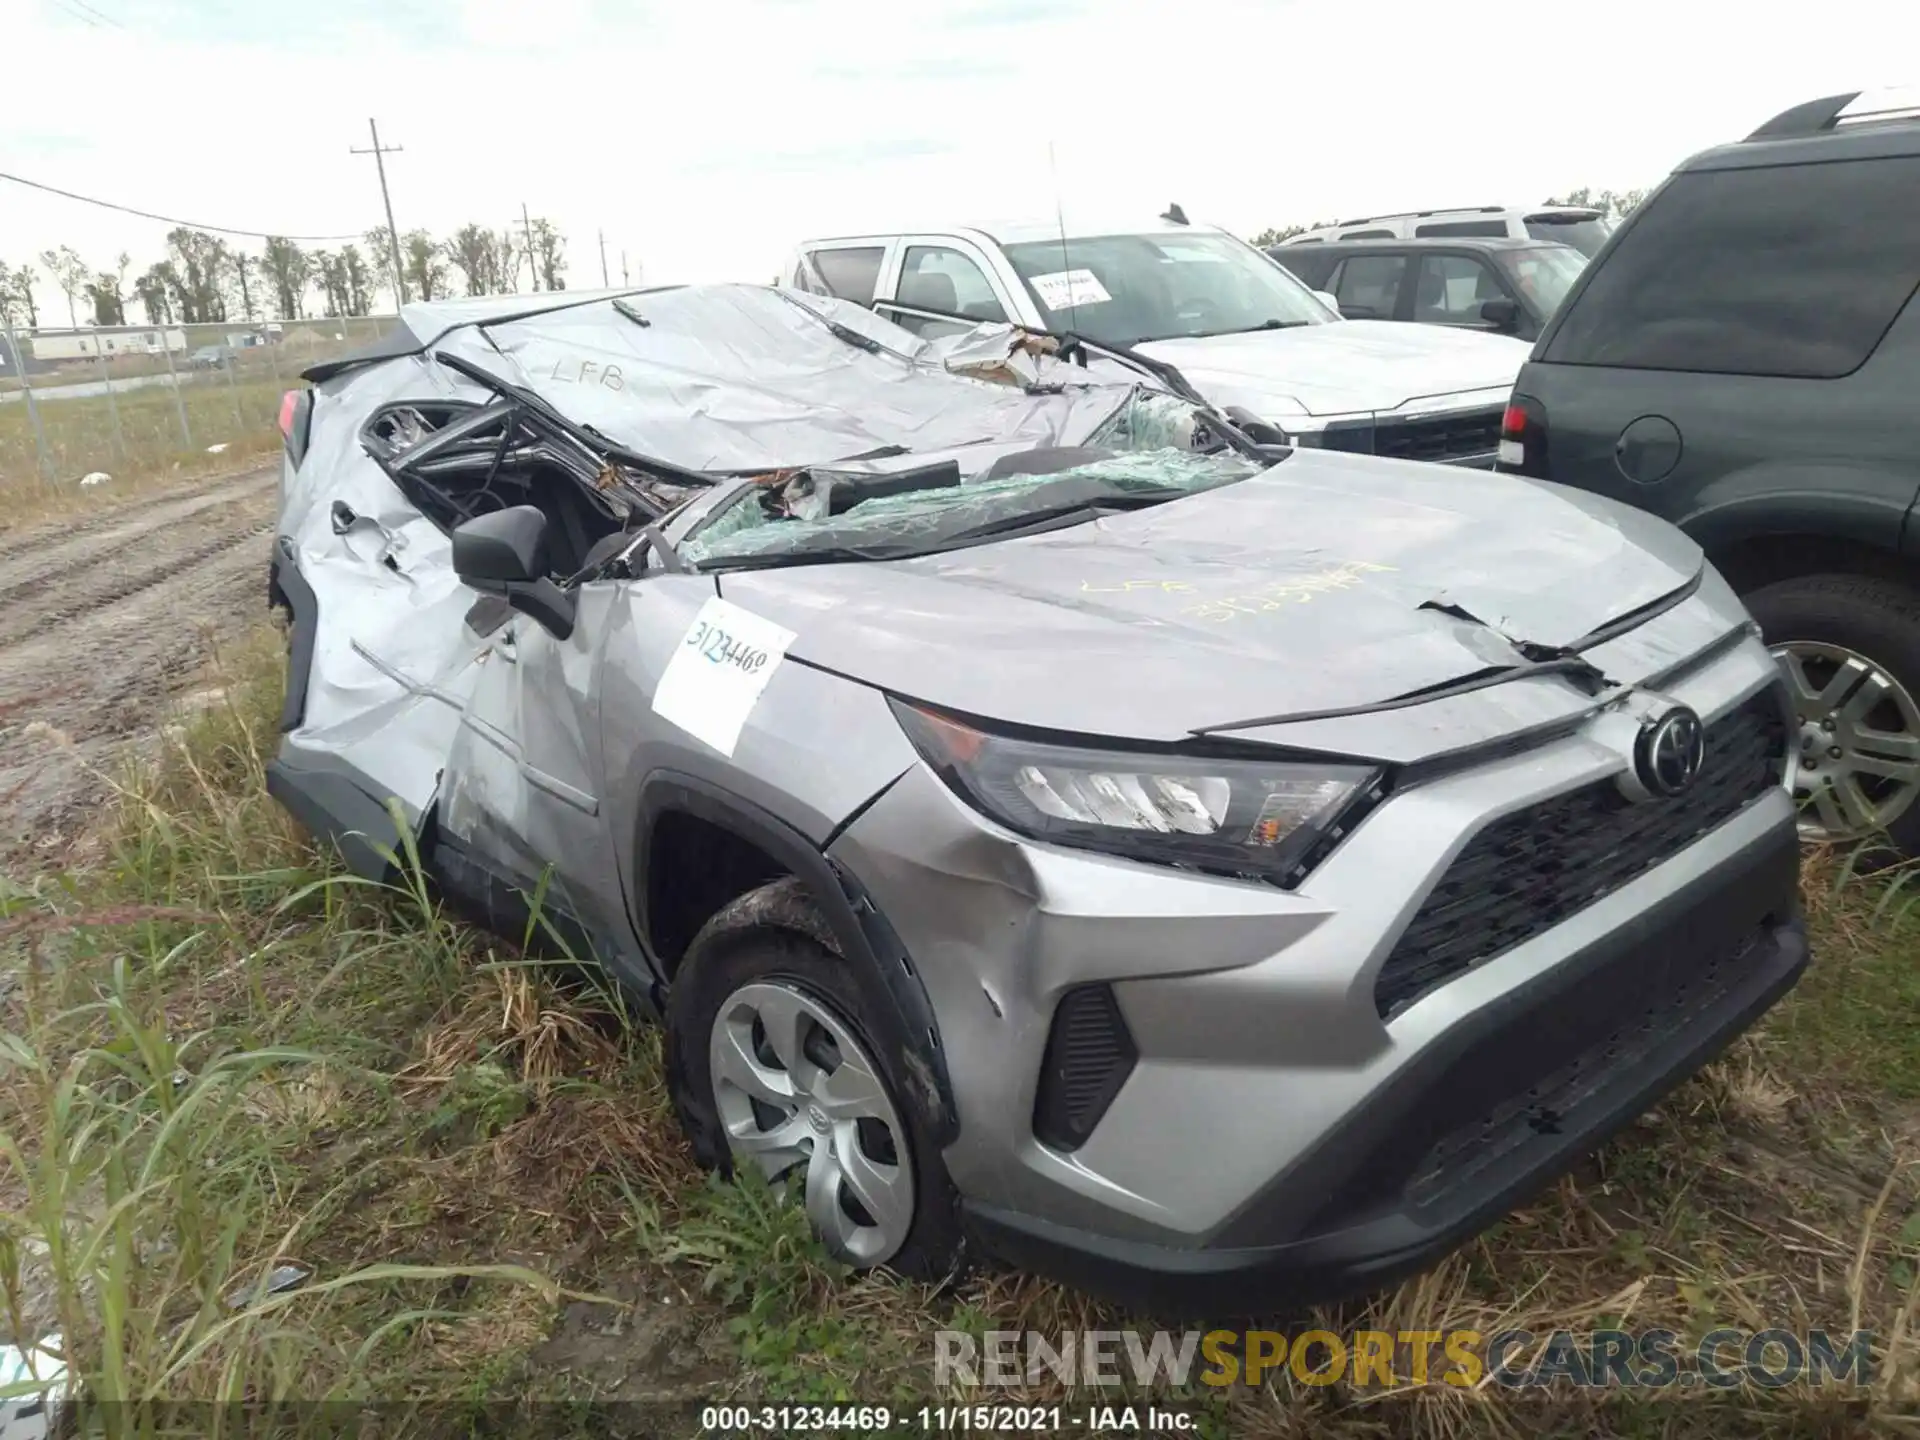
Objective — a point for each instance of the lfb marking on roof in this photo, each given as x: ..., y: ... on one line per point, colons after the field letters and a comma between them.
x: 588, y: 372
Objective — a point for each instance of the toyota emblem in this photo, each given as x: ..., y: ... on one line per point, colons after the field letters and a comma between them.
x: 1670, y: 751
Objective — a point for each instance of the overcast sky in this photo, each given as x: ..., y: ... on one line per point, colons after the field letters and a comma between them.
x: 706, y: 137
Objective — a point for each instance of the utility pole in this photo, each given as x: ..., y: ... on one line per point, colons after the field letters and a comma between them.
x: 380, y: 153
x: 533, y: 262
x: 605, y: 283
x: 623, y: 269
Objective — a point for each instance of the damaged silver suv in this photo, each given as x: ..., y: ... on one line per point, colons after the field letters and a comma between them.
x: 1050, y: 824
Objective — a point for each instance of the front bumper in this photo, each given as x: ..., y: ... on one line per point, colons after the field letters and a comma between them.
x: 1510, y: 1099
x: 1274, y: 1115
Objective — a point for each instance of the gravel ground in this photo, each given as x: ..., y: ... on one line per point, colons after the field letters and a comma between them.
x: 103, y: 620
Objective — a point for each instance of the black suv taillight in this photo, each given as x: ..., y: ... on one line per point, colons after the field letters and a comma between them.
x: 1090, y: 1052
x: 1523, y: 438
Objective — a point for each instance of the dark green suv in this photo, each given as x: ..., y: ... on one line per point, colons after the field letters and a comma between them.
x: 1743, y: 359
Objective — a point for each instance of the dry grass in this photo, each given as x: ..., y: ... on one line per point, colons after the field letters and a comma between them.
x: 152, y: 453
x: 137, y: 437
x: 456, y: 1140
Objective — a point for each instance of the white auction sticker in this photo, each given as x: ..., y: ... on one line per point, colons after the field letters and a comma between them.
x: 715, y: 677
x: 1064, y: 289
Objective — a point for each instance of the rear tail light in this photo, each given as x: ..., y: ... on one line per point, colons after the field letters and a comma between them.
x: 296, y: 417
x: 1523, y: 438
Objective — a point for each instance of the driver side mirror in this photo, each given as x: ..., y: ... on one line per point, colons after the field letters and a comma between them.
x: 1501, y: 313
x: 1328, y: 299
x: 505, y: 553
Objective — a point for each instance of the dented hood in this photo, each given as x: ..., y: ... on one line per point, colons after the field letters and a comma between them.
x: 1326, y: 583
x: 1344, y: 368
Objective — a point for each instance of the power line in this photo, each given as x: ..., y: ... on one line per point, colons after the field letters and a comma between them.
x: 84, y: 10
x: 165, y: 219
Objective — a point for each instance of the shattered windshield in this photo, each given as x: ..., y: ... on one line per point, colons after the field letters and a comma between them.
x: 1133, y: 461
x: 1123, y: 289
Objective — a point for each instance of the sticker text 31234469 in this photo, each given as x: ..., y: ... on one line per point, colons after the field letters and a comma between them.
x: 717, y: 672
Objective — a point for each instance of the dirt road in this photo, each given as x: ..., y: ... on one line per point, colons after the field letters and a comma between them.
x: 102, y: 618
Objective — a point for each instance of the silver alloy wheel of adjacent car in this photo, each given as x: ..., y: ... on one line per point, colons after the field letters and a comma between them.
x: 793, y: 1087
x: 1856, y: 757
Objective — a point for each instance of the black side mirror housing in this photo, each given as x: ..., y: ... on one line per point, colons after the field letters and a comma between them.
x: 504, y: 552
x: 1256, y: 429
x: 1501, y: 313
x: 501, y: 547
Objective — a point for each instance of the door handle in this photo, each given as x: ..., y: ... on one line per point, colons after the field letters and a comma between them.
x: 503, y: 645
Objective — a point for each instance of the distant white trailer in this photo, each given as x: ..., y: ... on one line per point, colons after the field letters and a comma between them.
x: 87, y: 344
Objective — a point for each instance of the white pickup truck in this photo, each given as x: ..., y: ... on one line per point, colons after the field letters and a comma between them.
x: 1243, y: 331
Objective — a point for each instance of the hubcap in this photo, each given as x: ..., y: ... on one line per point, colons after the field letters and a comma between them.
x: 795, y: 1089
x: 1856, y: 758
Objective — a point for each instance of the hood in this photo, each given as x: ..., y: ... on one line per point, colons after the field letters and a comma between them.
x: 1317, y: 585
x: 1344, y: 367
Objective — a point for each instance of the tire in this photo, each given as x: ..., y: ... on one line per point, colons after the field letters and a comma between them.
x: 748, y: 974
x: 1850, y: 647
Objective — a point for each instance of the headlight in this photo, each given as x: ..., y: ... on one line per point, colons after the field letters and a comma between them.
x: 1260, y: 819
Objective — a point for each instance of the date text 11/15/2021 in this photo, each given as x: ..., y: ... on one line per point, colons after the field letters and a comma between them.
x: 942, y: 1419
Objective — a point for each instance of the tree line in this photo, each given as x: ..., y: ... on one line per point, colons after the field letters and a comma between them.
x: 204, y: 279
x: 1612, y: 203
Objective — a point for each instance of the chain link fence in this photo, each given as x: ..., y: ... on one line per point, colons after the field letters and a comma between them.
x: 138, y: 400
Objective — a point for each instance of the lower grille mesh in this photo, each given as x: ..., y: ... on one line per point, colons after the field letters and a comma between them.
x: 1457, y: 1158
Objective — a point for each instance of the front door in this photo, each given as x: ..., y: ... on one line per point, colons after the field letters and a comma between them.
x: 521, y: 802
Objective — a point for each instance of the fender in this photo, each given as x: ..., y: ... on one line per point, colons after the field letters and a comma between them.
x: 287, y: 586
x: 860, y: 933
x: 1863, y: 506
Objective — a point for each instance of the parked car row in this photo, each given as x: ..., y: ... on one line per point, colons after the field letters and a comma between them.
x: 1034, y: 718
x: 1242, y: 331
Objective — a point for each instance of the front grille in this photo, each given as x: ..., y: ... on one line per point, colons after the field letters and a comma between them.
x: 1529, y: 871
x: 1465, y: 435
x: 1445, y: 437
x: 1090, y: 1052
x: 1549, y: 1104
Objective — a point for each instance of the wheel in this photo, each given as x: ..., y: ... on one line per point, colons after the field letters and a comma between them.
x: 1850, y: 648
x: 770, y: 1061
